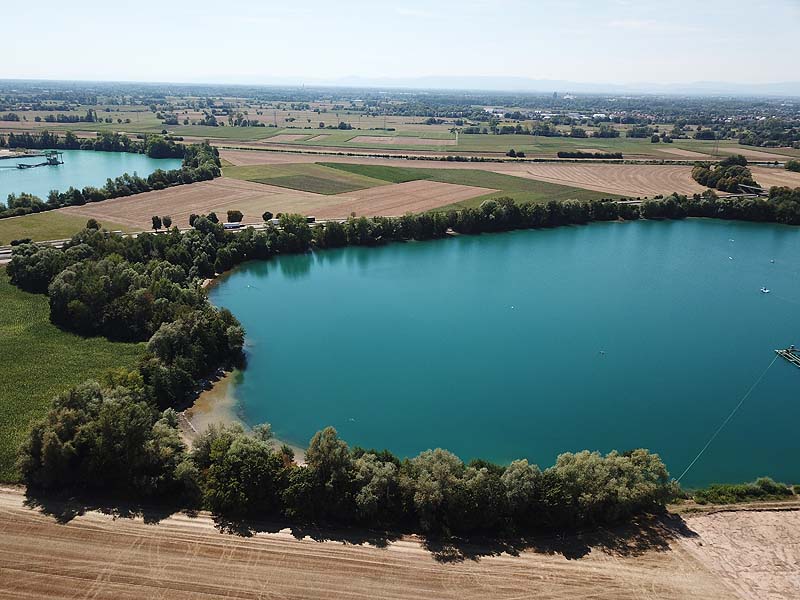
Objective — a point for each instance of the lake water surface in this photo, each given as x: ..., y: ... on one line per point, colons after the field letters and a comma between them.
x: 80, y: 168
x: 533, y: 343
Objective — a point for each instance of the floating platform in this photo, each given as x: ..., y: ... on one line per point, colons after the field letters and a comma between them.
x: 790, y: 354
x: 53, y: 157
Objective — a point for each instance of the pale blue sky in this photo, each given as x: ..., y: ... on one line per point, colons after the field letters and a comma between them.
x: 613, y: 41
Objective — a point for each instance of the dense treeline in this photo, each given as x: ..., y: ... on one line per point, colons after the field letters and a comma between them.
x: 111, y: 439
x: 726, y: 176
x: 200, y: 163
x: 580, y: 154
x: 781, y: 206
x: 771, y: 133
x: 154, y: 146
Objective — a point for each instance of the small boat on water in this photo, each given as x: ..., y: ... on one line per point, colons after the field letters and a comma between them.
x: 764, y: 290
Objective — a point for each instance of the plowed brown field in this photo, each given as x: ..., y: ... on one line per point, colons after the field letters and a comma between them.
x: 218, y: 195
x: 253, y: 199
x: 400, y: 198
x: 768, y: 176
x: 97, y: 556
x: 626, y: 180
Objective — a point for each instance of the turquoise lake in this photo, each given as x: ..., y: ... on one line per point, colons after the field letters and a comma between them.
x: 80, y: 168
x: 532, y: 343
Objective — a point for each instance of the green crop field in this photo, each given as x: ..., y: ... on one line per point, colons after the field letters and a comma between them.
x: 307, y: 177
x: 50, y: 225
x: 518, y: 188
x: 222, y: 133
x: 40, y: 361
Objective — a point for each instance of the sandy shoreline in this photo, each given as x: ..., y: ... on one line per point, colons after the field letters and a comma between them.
x: 219, y: 404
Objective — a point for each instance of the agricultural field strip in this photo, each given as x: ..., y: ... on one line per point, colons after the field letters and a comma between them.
x: 616, y: 180
x: 305, y: 177
x: 254, y: 198
x: 622, y: 180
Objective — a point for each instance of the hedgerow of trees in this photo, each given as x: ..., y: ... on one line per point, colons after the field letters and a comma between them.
x: 582, y: 154
x: 111, y: 439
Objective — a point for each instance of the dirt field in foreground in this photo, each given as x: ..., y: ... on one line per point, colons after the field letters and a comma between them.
x: 103, y: 556
x: 757, y: 553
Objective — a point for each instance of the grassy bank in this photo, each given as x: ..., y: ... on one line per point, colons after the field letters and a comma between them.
x: 50, y: 225
x: 39, y: 361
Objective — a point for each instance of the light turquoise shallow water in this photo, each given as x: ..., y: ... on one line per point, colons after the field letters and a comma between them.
x: 80, y: 168
x: 491, y: 345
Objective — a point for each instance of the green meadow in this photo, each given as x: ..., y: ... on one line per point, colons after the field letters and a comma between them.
x: 40, y: 361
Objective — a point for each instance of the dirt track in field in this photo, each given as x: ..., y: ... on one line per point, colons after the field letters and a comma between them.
x: 401, y: 140
x: 684, y: 153
x: 97, y: 556
x: 287, y: 137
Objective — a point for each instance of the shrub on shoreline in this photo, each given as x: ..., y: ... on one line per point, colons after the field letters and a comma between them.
x: 763, y: 488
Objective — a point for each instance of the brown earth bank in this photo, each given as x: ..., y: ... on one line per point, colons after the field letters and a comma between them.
x: 55, y: 550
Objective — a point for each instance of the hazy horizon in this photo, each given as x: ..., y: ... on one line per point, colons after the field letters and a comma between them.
x: 613, y: 42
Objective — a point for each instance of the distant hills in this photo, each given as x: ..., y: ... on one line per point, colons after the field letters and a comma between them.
x: 486, y: 83
x: 523, y: 84
x: 489, y: 83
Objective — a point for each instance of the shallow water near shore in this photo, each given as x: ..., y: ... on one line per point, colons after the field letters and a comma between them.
x: 532, y: 343
x: 81, y: 168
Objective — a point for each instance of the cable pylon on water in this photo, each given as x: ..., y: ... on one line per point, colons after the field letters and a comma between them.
x: 728, y: 418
